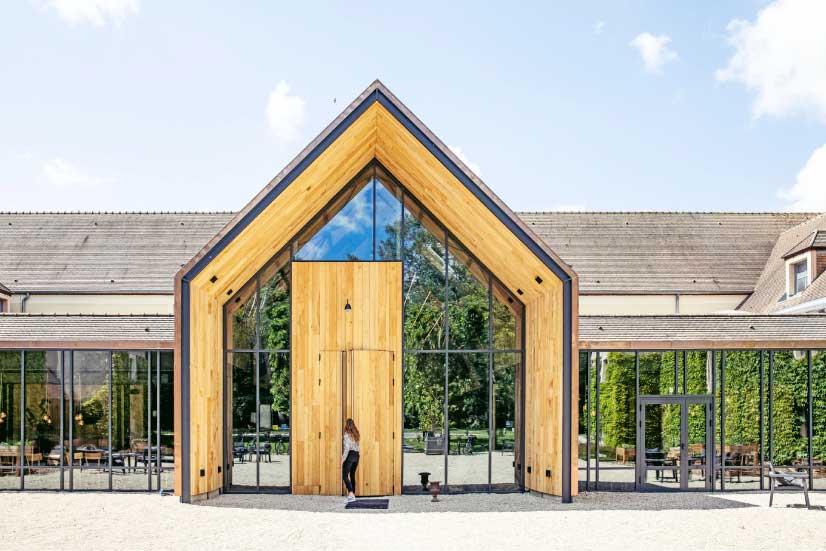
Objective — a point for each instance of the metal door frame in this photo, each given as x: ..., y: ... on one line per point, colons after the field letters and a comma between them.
x: 684, y: 401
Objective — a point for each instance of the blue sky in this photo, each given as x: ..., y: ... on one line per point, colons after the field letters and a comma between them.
x: 615, y: 105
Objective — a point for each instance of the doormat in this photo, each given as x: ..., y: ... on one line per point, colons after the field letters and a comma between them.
x: 368, y: 504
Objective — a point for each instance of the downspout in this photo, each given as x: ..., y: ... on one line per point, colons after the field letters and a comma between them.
x: 23, y: 302
x: 567, y: 391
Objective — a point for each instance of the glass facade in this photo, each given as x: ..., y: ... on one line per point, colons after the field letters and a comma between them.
x: 257, y: 432
x: 462, y: 347
x: 86, y: 420
x: 768, y: 406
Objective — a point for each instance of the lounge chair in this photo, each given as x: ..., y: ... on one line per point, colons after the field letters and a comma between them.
x: 782, y: 479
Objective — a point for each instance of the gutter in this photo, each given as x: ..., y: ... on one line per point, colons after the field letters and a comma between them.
x: 802, y: 308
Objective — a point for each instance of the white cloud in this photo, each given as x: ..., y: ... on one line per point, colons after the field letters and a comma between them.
x: 808, y: 194
x: 285, y: 113
x: 654, y: 51
x: 93, y: 12
x: 464, y: 158
x: 598, y: 26
x: 781, y: 56
x: 64, y: 175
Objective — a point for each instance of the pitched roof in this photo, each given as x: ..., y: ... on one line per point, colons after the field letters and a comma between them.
x: 701, y: 332
x: 100, y: 252
x: 660, y: 252
x: 612, y: 252
x: 771, y: 286
x: 4, y: 290
x: 86, y: 331
x: 377, y: 92
x: 815, y: 240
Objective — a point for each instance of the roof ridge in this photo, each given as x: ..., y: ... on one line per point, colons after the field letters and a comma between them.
x: 810, y: 220
x: 755, y: 213
x: 117, y: 212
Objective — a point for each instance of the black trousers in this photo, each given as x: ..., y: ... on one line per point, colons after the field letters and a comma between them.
x: 348, y: 470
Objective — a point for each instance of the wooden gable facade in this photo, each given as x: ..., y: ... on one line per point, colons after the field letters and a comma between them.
x: 378, y: 127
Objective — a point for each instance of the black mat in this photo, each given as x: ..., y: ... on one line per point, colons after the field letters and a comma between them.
x: 368, y: 504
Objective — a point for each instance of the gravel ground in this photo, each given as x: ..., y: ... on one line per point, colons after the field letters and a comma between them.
x: 521, y: 521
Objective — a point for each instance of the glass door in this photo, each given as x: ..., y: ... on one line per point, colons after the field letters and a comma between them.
x: 674, y: 435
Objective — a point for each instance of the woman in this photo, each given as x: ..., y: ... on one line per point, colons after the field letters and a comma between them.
x: 350, y: 458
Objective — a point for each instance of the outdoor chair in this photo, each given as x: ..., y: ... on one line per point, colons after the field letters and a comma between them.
x: 471, y: 439
x: 779, y: 479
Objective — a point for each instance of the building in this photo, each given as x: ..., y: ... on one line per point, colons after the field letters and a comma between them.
x: 376, y: 277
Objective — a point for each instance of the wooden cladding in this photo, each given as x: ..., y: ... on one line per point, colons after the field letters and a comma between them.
x: 319, y: 291
x: 345, y: 362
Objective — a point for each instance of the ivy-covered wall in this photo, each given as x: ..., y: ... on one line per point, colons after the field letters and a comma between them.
x: 789, y: 426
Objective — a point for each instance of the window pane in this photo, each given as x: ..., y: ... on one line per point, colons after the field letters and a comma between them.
x: 424, y: 281
x: 819, y: 418
x: 165, y: 419
x: 617, y: 422
x: 274, y: 300
x: 468, y: 307
x: 388, y: 219
x: 44, y: 385
x: 274, y: 465
x: 241, y: 371
x: 9, y: 418
x: 130, y: 421
x: 742, y: 427
x: 468, y: 410
x: 91, y: 419
x: 242, y: 315
x: 658, y: 374
x: 424, y: 441
x: 506, y: 458
x: 507, y: 319
x: 345, y: 230
x: 789, y: 426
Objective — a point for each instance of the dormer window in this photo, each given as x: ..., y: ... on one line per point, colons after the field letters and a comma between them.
x: 801, y: 276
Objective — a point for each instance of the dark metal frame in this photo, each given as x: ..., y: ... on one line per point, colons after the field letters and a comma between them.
x: 718, y: 362
x: 641, y: 468
x: 66, y: 369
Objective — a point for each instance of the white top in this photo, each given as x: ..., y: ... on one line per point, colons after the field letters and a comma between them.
x: 349, y: 444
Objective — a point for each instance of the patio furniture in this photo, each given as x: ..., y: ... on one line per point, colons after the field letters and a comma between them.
x: 471, y: 439
x: 434, y: 445
x: 623, y: 455
x: 780, y: 479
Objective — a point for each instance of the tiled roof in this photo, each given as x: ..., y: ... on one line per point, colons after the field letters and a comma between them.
x: 611, y: 252
x: 708, y: 331
x: 771, y: 286
x: 4, y: 290
x: 100, y: 252
x: 815, y: 240
x: 651, y: 252
x: 86, y: 331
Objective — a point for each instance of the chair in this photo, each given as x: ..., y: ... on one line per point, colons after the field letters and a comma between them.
x: 787, y: 480
x: 471, y: 439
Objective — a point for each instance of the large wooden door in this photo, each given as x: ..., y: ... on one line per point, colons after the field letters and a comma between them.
x: 369, y: 385
x: 325, y: 335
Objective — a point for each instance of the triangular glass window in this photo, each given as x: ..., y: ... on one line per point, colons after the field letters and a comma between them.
x: 362, y: 223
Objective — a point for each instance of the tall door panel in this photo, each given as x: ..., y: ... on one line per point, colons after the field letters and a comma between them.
x: 370, y: 401
x: 346, y: 313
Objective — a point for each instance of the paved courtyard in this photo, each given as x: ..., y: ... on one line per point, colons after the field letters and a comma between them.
x: 515, y: 521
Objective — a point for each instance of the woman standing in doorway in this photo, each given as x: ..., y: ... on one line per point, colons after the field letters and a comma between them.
x: 350, y: 458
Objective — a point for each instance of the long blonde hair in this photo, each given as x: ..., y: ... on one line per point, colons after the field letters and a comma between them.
x: 351, y: 429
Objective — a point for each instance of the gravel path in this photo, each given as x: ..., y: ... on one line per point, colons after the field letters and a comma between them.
x: 599, y: 520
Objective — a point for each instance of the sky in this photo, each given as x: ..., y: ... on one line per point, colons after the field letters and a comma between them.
x: 148, y: 105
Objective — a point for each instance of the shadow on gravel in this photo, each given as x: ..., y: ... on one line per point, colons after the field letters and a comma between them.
x: 479, y: 503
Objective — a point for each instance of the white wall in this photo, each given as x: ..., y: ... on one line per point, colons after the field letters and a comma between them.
x: 629, y: 305
x: 95, y: 304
